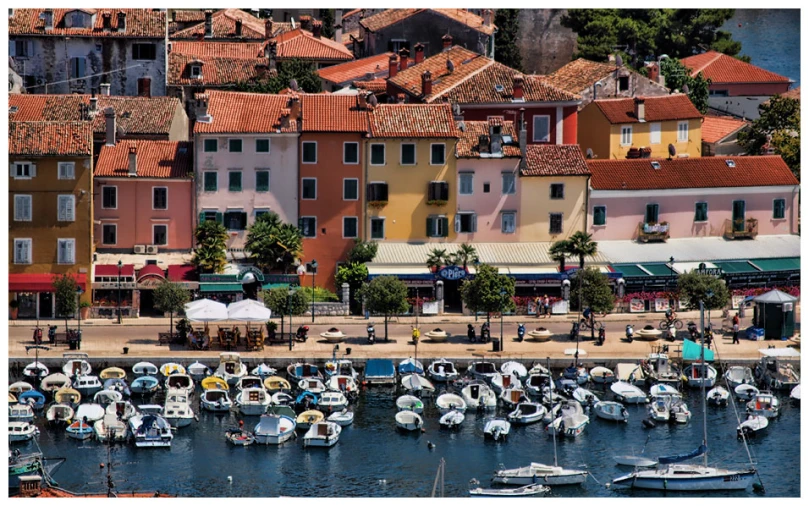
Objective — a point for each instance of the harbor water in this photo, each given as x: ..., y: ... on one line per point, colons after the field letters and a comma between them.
x: 771, y: 38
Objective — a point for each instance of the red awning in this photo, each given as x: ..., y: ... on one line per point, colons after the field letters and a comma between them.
x: 181, y: 273
x: 151, y: 270
x: 111, y: 270
x: 39, y: 282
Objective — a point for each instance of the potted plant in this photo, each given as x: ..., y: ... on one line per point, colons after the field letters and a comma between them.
x: 84, y: 310
x: 14, y: 305
x: 271, y: 328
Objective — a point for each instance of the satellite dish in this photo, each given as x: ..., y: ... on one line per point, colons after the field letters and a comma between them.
x: 685, y: 89
x: 450, y: 66
x: 672, y: 150
x: 293, y: 84
x: 589, y: 152
x: 619, y: 62
x: 372, y: 100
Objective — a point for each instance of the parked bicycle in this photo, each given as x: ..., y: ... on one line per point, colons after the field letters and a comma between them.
x: 666, y: 323
x: 585, y: 324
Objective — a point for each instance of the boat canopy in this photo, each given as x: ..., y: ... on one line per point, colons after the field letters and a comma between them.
x: 691, y: 351
x: 380, y: 368
x: 672, y: 459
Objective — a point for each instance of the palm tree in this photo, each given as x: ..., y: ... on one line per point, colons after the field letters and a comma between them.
x: 558, y: 251
x: 436, y: 258
x: 209, y: 258
x: 466, y: 253
x: 289, y: 243
x: 581, y: 244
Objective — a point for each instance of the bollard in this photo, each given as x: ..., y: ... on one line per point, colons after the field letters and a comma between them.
x: 126, y: 350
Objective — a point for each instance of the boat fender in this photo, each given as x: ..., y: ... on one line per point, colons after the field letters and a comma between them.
x: 230, y: 479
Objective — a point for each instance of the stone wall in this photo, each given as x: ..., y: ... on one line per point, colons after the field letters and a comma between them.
x: 328, y: 309
x: 545, y: 45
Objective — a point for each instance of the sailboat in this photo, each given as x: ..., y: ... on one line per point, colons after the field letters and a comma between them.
x: 689, y: 477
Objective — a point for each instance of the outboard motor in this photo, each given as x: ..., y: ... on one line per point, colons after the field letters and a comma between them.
x: 520, y: 332
x: 470, y: 333
x: 371, y: 334
x: 574, y: 331
x: 630, y: 332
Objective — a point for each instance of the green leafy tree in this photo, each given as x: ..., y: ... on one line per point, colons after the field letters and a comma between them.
x: 693, y: 287
x: 321, y: 294
x: 558, y: 252
x: 327, y: 18
x: 171, y: 298
x: 355, y: 274
x: 385, y: 295
x: 465, y: 255
x: 594, y: 289
x: 780, y: 122
x: 209, y: 255
x: 437, y: 258
x: 506, y: 50
x: 282, y: 304
x: 483, y: 292
x: 304, y: 73
x: 362, y: 251
x: 677, y: 76
x: 582, y: 245
x: 65, y: 287
x: 273, y: 244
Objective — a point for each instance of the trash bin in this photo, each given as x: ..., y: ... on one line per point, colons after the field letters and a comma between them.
x: 72, y: 344
x: 496, y: 345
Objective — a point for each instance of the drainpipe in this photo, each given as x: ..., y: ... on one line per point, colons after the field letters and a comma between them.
x: 366, y: 234
x: 586, y: 203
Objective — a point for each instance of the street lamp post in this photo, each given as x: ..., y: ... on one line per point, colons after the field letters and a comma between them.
x: 477, y: 264
x: 502, y: 310
x: 79, y: 291
x: 120, y: 265
x: 708, y: 294
x: 290, y: 293
x: 671, y: 270
x: 314, y: 271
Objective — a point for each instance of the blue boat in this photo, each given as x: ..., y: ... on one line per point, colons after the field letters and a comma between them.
x: 145, y: 385
x: 307, y: 400
x: 118, y: 385
x: 380, y: 371
x: 33, y: 398
x: 410, y: 366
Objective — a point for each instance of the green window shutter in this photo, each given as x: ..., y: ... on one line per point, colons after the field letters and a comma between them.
x: 210, y: 181
x: 243, y: 221
x: 701, y: 213
x: 235, y: 181
x: 219, y: 218
x: 263, y: 181
x: 429, y: 226
x: 201, y: 218
x: 444, y: 227
x: 599, y: 215
x: 779, y: 209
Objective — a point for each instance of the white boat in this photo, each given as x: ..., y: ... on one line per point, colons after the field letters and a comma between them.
x: 231, y: 368
x: 110, y: 428
x: 585, y: 397
x: 301, y: 370
x: 90, y: 412
x: 658, y: 368
x: 795, y: 394
x: 59, y: 414
x: 609, y: 410
x: 577, y: 373
x: 718, y: 396
x: 739, y: 375
x: 539, y: 370
x: 309, y: 418
x: 514, y: 368
x: 342, y: 383
x: 151, y: 409
x: 119, y: 385
x: 482, y: 370
x: 20, y: 413
x: 513, y: 396
x: 699, y: 373
x: 410, y: 366
x: 19, y: 387
x: 198, y: 371
x: 238, y: 437
x: 145, y: 385
x: 535, y: 472
x: 76, y: 365
x: 601, y: 375
x: 215, y: 400
x: 251, y: 382
x: 177, y: 409
x: 450, y: 402
x: 679, y: 411
x: 282, y: 399
x: 764, y: 404
x: 442, y: 371
x: 634, y: 461
x: 408, y: 420
x: 170, y: 368
x: 496, y: 429
x: 150, y: 430
x: 500, y: 382
x: 659, y: 409
x: 263, y: 371
x: 630, y: 373
x: 123, y: 410
x: 478, y: 396
x: 627, y: 393
x: 662, y: 390
x: 534, y: 383
x: 776, y: 371
x: 21, y: 431
x: 50, y: 384
x: 750, y: 427
x: 451, y: 419
x: 105, y: 397
x: 525, y: 491
x: 79, y: 430
x: 313, y: 385
x: 325, y: 434
x: 274, y: 429
x: 112, y: 372
x: 180, y: 381
x: 332, y: 401
x: 745, y: 392
x: 253, y: 401
x: 145, y: 369
x: 35, y: 371
x: 342, y: 418
x: 340, y: 367
x: 88, y: 385
x: 526, y: 413
x: 570, y: 422
x: 410, y: 403
x: 416, y: 383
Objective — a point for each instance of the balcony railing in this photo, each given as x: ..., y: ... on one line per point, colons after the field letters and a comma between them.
x: 653, y: 231
x: 741, y: 229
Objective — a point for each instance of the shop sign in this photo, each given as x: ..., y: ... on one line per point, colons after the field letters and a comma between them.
x: 560, y: 307
x: 418, y: 282
x: 538, y: 282
x: 452, y: 272
x: 254, y: 271
x: 150, y: 282
x: 429, y: 307
x: 662, y: 305
x: 289, y: 279
x: 710, y: 271
x: 637, y: 306
x: 107, y: 285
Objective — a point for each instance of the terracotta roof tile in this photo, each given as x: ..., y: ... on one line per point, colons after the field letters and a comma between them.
x: 707, y: 172
x: 44, y: 138
x: 716, y: 128
x: 235, y: 112
x: 664, y: 108
x: 303, y: 45
x: 347, y: 36
x: 469, y: 138
x: 223, y: 63
x: 579, y: 74
x: 357, y: 69
x: 143, y: 23
x: 412, y: 120
x: 389, y: 17
x: 376, y: 85
x: 134, y: 115
x: 223, y: 49
x: 188, y: 15
x: 223, y: 26
x: 554, y: 160
x: 721, y: 68
x: 333, y: 113
x: 156, y: 159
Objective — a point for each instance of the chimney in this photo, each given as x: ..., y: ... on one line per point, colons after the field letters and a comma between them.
x: 400, y: 98
x: 93, y: 102
x: 133, y: 160
x: 654, y: 72
x: 105, y: 89
x: 145, y: 87
x: 523, y: 139
x: 393, y: 67
x: 268, y: 28
x: 201, y: 108
x: 640, y: 109
x: 426, y: 83
x: 122, y: 21
x: 317, y: 26
x: 47, y: 15
x: 208, y: 24
x: 403, y: 54
x: 496, y: 137
x: 338, y: 26
x: 306, y: 22
x: 106, y: 20
x: 238, y: 28
x: 294, y: 107
x: 487, y: 17
x: 109, y: 118
x: 284, y: 120
x: 483, y: 143
x: 517, y: 83
x: 362, y: 100
x: 419, y: 48
x: 447, y: 40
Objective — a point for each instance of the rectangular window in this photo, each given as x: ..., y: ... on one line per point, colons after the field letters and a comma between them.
x: 262, y: 145
x: 215, y: 216
x: 309, y: 152
x: 160, y: 198
x: 466, y: 223
x: 309, y: 188
x: 556, y: 223
x: 717, y: 93
x: 196, y: 71
x: 235, y: 220
x: 144, y: 51
x: 260, y: 212
x: 351, y: 153
x: 262, y: 180
x: 509, y: 183
x: 508, y: 222
x: 109, y: 234
x: 654, y: 133
x: 234, y: 181
x: 23, y: 170
x: 623, y: 83
x: 487, y: 187
x: 465, y: 186
x: 235, y: 145
x: 21, y: 48
x: 437, y: 226
x: 438, y: 154
x: 210, y: 181
x: 109, y: 197
x: 22, y: 208
x: 438, y: 190
x: 779, y: 207
x: 160, y: 235
x: 308, y: 226
x: 66, y: 208
x: 377, y: 192
x: 78, y: 67
x: 626, y: 136
x: 701, y: 211
x: 22, y: 251
x: 408, y: 154
x: 66, y: 251
x: 557, y: 191
x: 377, y: 228
x: 67, y: 170
x: 351, y: 189
x: 599, y: 215
x: 349, y: 227
x: 682, y: 131
x: 652, y: 211
x: 542, y: 128
x: 377, y: 154
x: 211, y: 145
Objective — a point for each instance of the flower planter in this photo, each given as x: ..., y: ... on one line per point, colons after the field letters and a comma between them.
x: 84, y: 313
x: 13, y: 313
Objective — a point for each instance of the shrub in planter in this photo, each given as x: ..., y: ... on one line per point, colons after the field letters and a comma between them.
x: 14, y: 305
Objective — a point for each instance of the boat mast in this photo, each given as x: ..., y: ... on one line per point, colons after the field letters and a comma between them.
x: 550, y: 378
x: 704, y: 376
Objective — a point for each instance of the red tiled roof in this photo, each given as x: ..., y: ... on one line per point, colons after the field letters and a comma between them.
x: 155, y: 159
x: 333, y: 113
x: 554, y: 160
x: 45, y: 138
x: 469, y: 138
x: 303, y: 45
x: 346, y: 39
x: 391, y: 16
x: 707, y: 172
x: 412, y: 120
x: 579, y: 74
x: 188, y: 15
x: 376, y: 85
x: 716, y: 128
x: 134, y: 115
x: 237, y: 112
x: 223, y: 26
x: 143, y: 23
x: 221, y: 49
x: 663, y: 108
x: 109, y: 270
x: 227, y: 68
x: 721, y: 68
x: 182, y: 273
x: 356, y: 69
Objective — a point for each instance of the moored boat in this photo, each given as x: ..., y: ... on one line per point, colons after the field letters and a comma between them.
x: 253, y: 401
x: 536, y: 472
x: 416, y: 383
x: 51, y: 383
x: 750, y: 427
x: 180, y: 381
x: 274, y: 429
x: 739, y: 375
x: 340, y: 367
x: 745, y: 392
x: 609, y: 410
x: 198, y: 371
x: 177, y: 408
x: 118, y: 385
x: 342, y: 383
x: 500, y: 382
x: 214, y: 382
x: 170, y: 368
x: 79, y: 430
x: 59, y: 414
x: 19, y: 432
x: 238, y: 437
x: 450, y: 402
x: 513, y: 396
x: 764, y: 404
x: 67, y: 395
x: 249, y: 382
x: 442, y: 371
x: 570, y: 422
x: 309, y: 418
x: 342, y: 418
x: 76, y: 365
x: 795, y: 394
x: 451, y: 419
x: 627, y: 393
x: 524, y: 491
x: 699, y: 373
x: 299, y: 371
x: 718, y: 396
x: 20, y: 413
x: 19, y: 387
x: 145, y: 385
x: 151, y: 431
x: 263, y: 371
x: 33, y: 398
x: 35, y: 371
x: 514, y: 368
x: 526, y: 413
x: 276, y: 384
x: 496, y: 429
x: 409, y: 403
x: 145, y: 369
x: 112, y: 372
x: 482, y: 370
x: 602, y: 375
x: 87, y: 386
x: 90, y: 412
x: 215, y: 400
x: 231, y: 368
x: 123, y: 410
x: 313, y: 385
x: 105, y: 397
x: 410, y: 366
x: 332, y: 401
x: 408, y: 421
x: 324, y: 434
x: 110, y: 428
x: 776, y: 371
x: 479, y: 396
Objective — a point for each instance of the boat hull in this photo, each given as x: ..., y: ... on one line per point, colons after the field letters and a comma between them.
x: 546, y: 479
x: 720, y: 481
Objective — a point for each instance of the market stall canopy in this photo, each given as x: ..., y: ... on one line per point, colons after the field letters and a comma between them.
x: 774, y: 297
x: 207, y: 311
x: 691, y: 351
x: 248, y: 310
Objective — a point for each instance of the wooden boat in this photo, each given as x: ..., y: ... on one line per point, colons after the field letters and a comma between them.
x: 214, y: 382
x: 442, y: 371
x: 112, y: 372
x: 436, y: 336
x: 539, y: 335
x: 240, y: 437
x: 323, y: 434
x: 68, y: 396
x: 274, y: 429
x: 309, y: 418
x: 215, y: 400
x: 410, y: 403
x: 21, y: 431
x: 408, y: 421
x: 524, y: 491
x: 276, y: 384
x: 79, y: 430
x: 145, y: 369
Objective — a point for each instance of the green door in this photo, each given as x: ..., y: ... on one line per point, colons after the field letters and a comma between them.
x: 738, y: 215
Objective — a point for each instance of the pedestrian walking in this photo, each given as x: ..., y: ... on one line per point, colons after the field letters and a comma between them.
x: 736, y: 329
x: 546, y: 304
x: 538, y: 306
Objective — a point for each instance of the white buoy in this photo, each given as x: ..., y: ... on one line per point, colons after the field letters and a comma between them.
x: 230, y: 479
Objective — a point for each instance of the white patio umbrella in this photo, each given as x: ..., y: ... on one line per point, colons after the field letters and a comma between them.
x: 199, y: 303
x: 209, y: 311
x: 248, y: 310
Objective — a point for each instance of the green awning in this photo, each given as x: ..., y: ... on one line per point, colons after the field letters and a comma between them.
x: 630, y: 270
x: 220, y: 287
x: 270, y: 286
x: 735, y: 267
x: 659, y: 270
x: 692, y: 351
x: 778, y: 264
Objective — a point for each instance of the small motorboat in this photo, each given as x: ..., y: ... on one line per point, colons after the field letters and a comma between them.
x: 324, y: 434
x: 698, y: 372
x: 88, y: 385
x: 231, y: 368
x: 551, y: 397
x: 450, y: 402
x: 566, y: 386
x: 416, y: 383
x: 151, y: 409
x: 145, y: 369
x: 408, y: 421
x: 659, y: 368
x: 50, y: 384
x: 648, y: 333
x: 215, y: 400
x: 442, y: 371
x: 110, y: 428
x: 333, y: 335
x: 764, y: 404
x: 526, y: 413
x: 282, y: 399
x: 482, y: 370
x: 306, y: 400
x: 313, y: 385
x: 536, y: 472
x: 35, y: 371
x: 59, y: 414
x: 631, y: 373
x: 496, y: 429
x: 144, y: 385
x: 177, y: 408
x: 410, y: 366
x: 539, y: 335
x: 332, y: 401
x: 276, y: 384
x: 33, y: 398
x: 299, y: 371
x: 601, y: 375
x: 118, y: 385
x: 585, y: 397
x: 718, y: 396
x: 253, y: 401
x: 739, y: 375
x: 795, y: 394
x: 451, y: 420
x: 534, y: 383
x: 250, y: 382
x: 659, y: 409
x: 750, y: 427
x: 68, y: 396
x: 214, y: 382
x: 514, y: 368
x: 500, y: 382
x: 342, y: 383
x: 342, y: 418
x: 105, y: 397
x: 627, y: 393
x: 513, y: 396
x: 198, y: 371
x: 21, y: 431
x: 170, y: 368
x: 112, y: 372
x: 150, y: 430
x: 477, y: 395
x: 745, y: 392
x: 539, y: 370
x: 634, y: 461
x: 20, y: 413
x: 577, y: 373
x: 90, y: 412
x: 76, y: 365
x: 263, y: 371
x: 410, y: 403
x: 570, y: 422
x: 340, y: 367
x: 609, y: 410
x: 274, y: 429
x: 238, y: 437
x: 524, y: 491
x: 679, y: 411
x: 309, y: 418
x: 19, y: 387
x: 180, y: 381
x: 123, y: 410
x: 436, y: 336
x: 79, y: 430
x: 662, y: 390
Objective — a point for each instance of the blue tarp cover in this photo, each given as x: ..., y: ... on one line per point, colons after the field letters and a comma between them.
x: 691, y: 351
x: 380, y: 368
x: 672, y: 459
